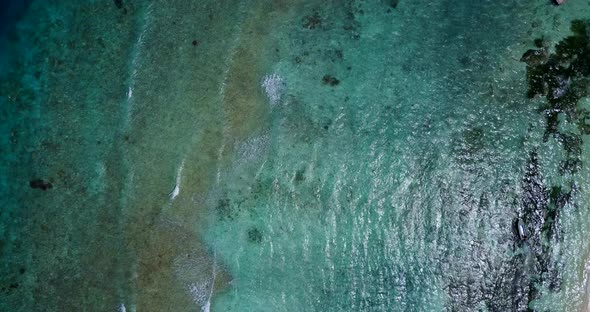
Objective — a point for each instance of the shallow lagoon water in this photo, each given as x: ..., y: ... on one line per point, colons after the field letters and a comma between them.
x: 286, y: 156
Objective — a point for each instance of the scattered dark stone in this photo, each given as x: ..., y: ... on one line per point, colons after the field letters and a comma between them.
x: 570, y: 166
x: 535, y: 197
x: 312, y: 21
x: 326, y: 127
x: 101, y: 43
x: 562, y: 78
x: 298, y: 60
x: 254, y: 235
x: 556, y: 196
x: 484, y: 202
x: 539, y: 42
x: 579, y: 27
x: 223, y: 208
x: 119, y: 4
x: 40, y: 184
x: 572, y: 143
x: 534, y: 57
x: 394, y: 3
x: 349, y: 27
x: 348, y: 68
x: 22, y: 270
x: 554, y: 280
x: 195, y: 43
x: 582, y: 122
x: 336, y: 55
x: 300, y: 175
x: 330, y: 80
x: 37, y: 74
x: 552, y: 118
x: 541, y: 211
x: 465, y: 61
x: 14, y: 285
x: 470, y: 146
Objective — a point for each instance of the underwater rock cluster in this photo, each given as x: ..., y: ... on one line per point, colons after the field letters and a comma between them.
x: 562, y: 78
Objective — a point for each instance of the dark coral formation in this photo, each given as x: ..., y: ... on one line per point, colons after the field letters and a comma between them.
x: 330, y: 80
x: 541, y: 207
x: 40, y: 184
x: 562, y: 78
x: 312, y: 21
x: 254, y: 235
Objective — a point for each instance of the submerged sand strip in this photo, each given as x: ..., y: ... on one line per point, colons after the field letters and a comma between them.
x: 177, y: 119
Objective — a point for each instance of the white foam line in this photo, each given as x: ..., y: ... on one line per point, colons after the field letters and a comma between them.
x: 207, y: 306
x: 259, y: 170
x: 176, y: 189
x: 144, y: 26
x: 137, y: 49
x: 203, y: 292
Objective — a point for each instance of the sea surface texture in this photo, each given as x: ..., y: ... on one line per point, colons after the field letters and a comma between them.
x: 294, y: 155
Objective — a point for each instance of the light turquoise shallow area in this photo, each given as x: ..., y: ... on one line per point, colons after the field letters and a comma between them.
x: 280, y: 155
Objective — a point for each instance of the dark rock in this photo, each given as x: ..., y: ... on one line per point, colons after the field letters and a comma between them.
x: 534, y: 57
x: 539, y: 42
x: 563, y: 78
x: 312, y: 21
x: 330, y: 80
x: 300, y: 175
x: 570, y: 166
x: 40, y: 184
x: 572, y: 143
x: 535, y: 195
x: 254, y: 235
x: 118, y: 4
x: 223, y: 208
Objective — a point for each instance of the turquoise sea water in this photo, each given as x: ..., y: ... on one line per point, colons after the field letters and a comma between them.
x: 293, y: 155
